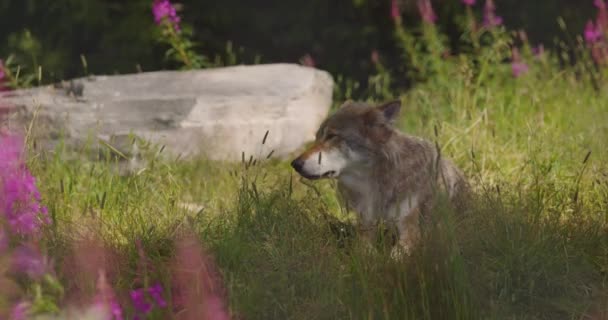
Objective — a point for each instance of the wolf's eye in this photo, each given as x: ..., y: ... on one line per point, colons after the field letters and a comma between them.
x: 330, y: 136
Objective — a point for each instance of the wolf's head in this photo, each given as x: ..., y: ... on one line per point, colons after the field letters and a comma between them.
x: 348, y: 139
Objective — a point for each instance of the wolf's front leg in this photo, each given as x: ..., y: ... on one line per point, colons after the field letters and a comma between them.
x: 367, y: 233
x: 367, y: 230
x: 409, y: 233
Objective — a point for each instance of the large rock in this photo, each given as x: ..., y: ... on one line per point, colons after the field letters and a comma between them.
x: 219, y: 113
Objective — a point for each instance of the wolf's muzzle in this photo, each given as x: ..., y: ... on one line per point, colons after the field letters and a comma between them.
x: 297, y: 164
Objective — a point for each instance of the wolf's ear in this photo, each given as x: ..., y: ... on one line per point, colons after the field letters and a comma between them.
x: 390, y: 109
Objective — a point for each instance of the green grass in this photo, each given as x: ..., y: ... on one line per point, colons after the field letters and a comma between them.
x: 533, y: 245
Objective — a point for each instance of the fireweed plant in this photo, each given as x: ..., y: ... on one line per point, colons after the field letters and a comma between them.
x: 172, y: 32
x: 30, y: 286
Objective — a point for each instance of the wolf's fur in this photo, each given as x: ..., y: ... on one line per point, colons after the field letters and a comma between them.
x: 383, y: 174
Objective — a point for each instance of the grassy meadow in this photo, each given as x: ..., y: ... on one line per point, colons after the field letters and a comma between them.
x: 533, y: 244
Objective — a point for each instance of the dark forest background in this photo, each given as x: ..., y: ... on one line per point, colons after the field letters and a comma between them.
x: 118, y: 36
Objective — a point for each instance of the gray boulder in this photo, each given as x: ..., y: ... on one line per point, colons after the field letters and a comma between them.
x: 218, y: 113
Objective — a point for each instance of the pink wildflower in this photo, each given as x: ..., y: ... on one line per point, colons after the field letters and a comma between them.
x: 3, y: 78
x: 395, y: 13
x: 19, y: 196
x: 539, y: 50
x: 163, y: 11
x: 28, y: 260
x: 20, y: 311
x: 490, y: 19
x: 426, y: 11
x: 106, y: 298
x: 199, y: 289
x: 469, y: 3
x: 592, y: 33
x: 307, y: 60
x: 140, y: 302
x: 2, y: 73
x: 156, y: 292
x: 518, y: 66
x: 375, y: 57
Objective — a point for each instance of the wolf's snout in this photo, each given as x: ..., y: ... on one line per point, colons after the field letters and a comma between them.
x: 297, y: 164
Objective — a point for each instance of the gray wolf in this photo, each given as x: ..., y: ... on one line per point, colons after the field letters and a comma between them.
x: 383, y: 175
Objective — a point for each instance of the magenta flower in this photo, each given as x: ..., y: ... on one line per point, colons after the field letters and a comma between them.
x: 28, y: 260
x: 198, y: 284
x: 600, y: 4
x: 539, y: 50
x: 307, y: 60
x: 518, y: 66
x: 469, y: 3
x: 19, y: 196
x: 20, y: 311
x: 375, y: 57
x: 106, y: 298
x: 592, y: 33
x: 156, y: 292
x: 10, y: 154
x: 2, y: 74
x: 490, y: 19
x: 426, y: 11
x: 163, y: 11
x: 139, y: 301
x: 395, y: 13
x: 116, y: 310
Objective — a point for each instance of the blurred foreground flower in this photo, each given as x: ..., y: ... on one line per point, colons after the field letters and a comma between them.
x: 140, y: 302
x: 28, y: 260
x: 19, y: 196
x: 468, y: 2
x: 20, y: 311
x: 199, y: 294
x: 156, y: 292
x: 106, y: 298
